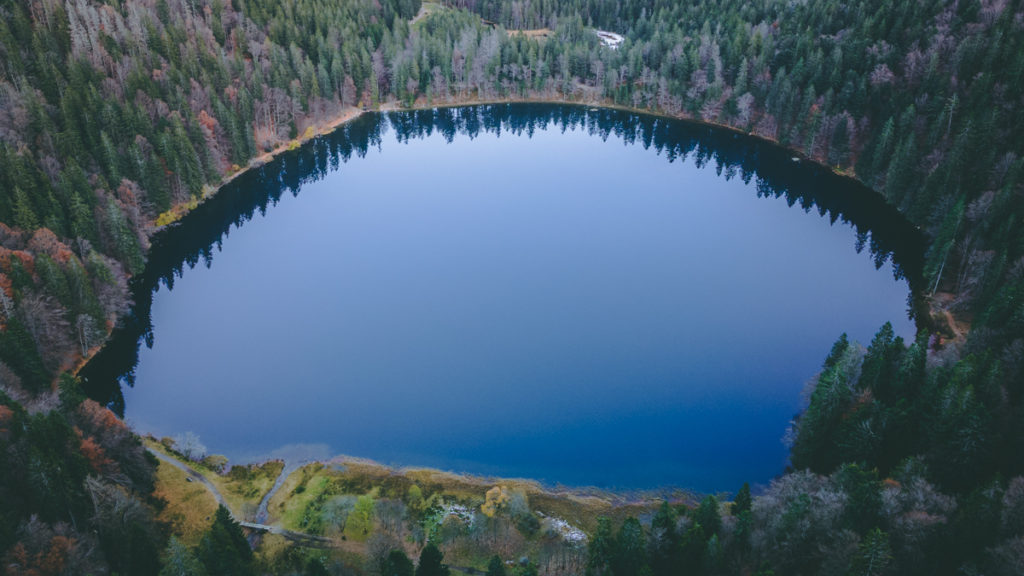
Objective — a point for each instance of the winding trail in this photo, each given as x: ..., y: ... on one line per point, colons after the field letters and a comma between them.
x: 297, y: 537
x: 420, y: 15
x: 194, y: 476
x: 263, y: 512
x: 258, y: 527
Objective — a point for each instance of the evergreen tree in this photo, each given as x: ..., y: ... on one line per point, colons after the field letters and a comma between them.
x: 24, y: 216
x: 630, y: 557
x: 601, y: 550
x: 665, y: 553
x: 315, y: 567
x: 495, y: 567
x: 430, y: 562
x: 863, y: 498
x: 874, y: 555
x: 708, y: 515
x: 180, y: 561
x: 18, y: 350
x: 742, y: 502
x: 223, y: 550
x: 396, y: 563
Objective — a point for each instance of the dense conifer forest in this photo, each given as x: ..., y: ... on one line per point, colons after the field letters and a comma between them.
x: 117, y: 116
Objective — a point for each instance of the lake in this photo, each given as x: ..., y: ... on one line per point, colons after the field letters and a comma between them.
x: 581, y: 296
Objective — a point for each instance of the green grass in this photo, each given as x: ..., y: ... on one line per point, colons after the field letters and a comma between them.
x: 243, y: 487
x: 427, y: 9
x: 300, y: 503
x: 190, y: 506
x: 296, y: 505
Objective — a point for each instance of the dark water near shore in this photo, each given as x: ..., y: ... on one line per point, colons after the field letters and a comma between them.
x: 584, y: 297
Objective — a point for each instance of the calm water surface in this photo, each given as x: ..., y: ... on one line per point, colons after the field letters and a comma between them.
x: 584, y: 297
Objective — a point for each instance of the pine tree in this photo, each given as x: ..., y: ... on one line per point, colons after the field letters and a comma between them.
x: 664, y: 545
x: 742, y: 502
x: 601, y: 550
x: 430, y: 562
x: 708, y: 515
x: 873, y: 556
x: 24, y: 216
x: 495, y: 567
x: 396, y: 563
x: 630, y: 550
x: 179, y: 560
x: 18, y: 350
x: 223, y: 550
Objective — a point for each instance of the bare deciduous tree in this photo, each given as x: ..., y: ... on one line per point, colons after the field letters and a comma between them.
x: 189, y: 446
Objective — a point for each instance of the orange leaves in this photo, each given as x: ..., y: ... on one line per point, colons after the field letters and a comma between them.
x: 207, y: 121
x: 7, y: 232
x: 46, y: 242
x: 95, y: 418
x: 95, y: 455
x: 128, y: 193
x: 5, y: 417
x: 99, y: 419
x: 105, y: 440
x: 54, y: 557
x: 7, y: 257
x: 49, y: 561
x: 27, y: 261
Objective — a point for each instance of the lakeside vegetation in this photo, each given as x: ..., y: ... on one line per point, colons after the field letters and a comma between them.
x: 908, y: 459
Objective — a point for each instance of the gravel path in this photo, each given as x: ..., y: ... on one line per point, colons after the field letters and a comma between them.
x: 298, y: 537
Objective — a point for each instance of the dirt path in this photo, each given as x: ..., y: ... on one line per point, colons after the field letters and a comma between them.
x: 193, y: 476
x: 263, y: 512
x: 297, y: 537
x: 954, y: 326
x: 420, y: 15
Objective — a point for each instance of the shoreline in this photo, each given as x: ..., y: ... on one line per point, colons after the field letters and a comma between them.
x: 294, y: 459
x: 930, y: 305
x: 590, y: 497
x: 77, y: 361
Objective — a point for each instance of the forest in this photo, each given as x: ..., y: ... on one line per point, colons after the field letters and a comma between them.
x: 117, y: 116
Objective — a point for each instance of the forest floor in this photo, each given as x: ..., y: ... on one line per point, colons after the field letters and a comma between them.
x: 426, y: 9
x: 952, y: 327
x: 538, y: 33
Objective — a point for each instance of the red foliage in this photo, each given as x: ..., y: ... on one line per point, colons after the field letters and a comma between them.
x: 49, y: 561
x: 46, y: 242
x: 99, y: 420
x: 8, y: 234
x: 27, y: 261
x: 105, y: 439
x: 95, y: 455
x: 5, y: 417
x: 128, y: 193
x: 208, y: 122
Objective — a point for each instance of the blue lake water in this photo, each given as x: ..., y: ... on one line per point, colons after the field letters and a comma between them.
x: 582, y: 297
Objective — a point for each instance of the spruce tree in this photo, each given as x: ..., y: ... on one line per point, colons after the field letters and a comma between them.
x: 223, y: 550
x: 430, y: 562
